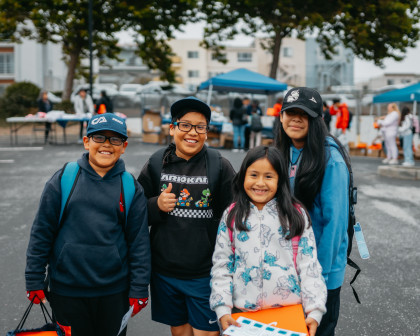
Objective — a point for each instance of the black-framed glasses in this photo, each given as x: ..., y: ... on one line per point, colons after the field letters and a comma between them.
x: 113, y: 140
x: 186, y: 127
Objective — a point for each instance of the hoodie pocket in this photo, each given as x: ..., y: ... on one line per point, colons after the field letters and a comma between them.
x: 88, y: 265
x: 187, y: 249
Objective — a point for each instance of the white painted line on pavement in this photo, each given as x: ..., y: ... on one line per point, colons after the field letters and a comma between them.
x: 12, y: 149
x: 7, y: 161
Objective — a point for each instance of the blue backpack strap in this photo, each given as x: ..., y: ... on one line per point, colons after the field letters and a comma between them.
x: 129, y: 190
x: 70, y: 172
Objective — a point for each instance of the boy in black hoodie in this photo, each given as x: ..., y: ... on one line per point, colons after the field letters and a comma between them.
x: 184, y: 214
x: 98, y: 255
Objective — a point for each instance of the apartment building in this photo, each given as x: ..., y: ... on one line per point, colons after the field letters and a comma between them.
x: 196, y: 64
x: 301, y: 63
x: 389, y: 81
x: 322, y: 73
x: 40, y: 64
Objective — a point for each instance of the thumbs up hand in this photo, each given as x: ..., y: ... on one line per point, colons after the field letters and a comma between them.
x: 167, y: 200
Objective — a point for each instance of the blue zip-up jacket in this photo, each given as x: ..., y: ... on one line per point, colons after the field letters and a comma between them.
x: 94, y: 252
x: 330, y: 215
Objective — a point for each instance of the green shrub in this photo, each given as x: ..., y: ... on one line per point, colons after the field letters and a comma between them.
x: 19, y: 99
x: 65, y: 105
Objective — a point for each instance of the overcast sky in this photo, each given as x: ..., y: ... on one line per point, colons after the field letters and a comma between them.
x: 363, y: 70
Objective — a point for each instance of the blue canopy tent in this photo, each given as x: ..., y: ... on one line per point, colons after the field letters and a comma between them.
x: 409, y: 93
x: 242, y: 80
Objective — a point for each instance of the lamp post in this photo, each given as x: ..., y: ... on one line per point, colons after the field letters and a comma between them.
x: 90, y: 28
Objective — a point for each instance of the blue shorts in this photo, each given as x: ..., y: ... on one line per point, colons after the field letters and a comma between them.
x: 176, y: 302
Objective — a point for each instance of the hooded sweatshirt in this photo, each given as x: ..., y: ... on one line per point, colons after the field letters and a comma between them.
x: 183, y: 240
x: 93, y: 252
x: 330, y: 215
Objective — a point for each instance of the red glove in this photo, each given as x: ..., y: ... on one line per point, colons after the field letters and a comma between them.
x: 38, y: 295
x: 138, y: 304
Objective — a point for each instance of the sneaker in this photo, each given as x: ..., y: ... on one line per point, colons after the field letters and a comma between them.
x: 235, y: 150
x: 408, y: 164
x: 80, y: 141
x: 385, y: 160
x: 393, y: 162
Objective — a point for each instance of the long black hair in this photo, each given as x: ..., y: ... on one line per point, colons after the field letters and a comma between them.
x: 309, y: 176
x: 291, y: 219
x: 405, y: 110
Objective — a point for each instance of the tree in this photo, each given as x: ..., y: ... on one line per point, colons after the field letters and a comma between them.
x: 373, y: 30
x: 66, y: 22
x: 19, y: 99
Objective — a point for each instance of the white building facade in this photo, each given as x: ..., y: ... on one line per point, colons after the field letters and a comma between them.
x: 40, y: 64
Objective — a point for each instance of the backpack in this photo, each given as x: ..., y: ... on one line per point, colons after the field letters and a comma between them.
x: 352, y: 222
x: 350, y: 119
x: 70, y: 175
x: 213, y: 167
x: 416, y: 124
x: 256, y: 124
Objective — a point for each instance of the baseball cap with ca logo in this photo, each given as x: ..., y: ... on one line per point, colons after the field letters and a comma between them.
x: 107, y: 122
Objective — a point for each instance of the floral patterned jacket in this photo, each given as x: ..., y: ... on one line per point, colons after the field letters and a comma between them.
x: 259, y: 273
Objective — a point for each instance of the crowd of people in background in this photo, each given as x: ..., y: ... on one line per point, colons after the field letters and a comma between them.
x: 395, y: 127
x: 247, y: 124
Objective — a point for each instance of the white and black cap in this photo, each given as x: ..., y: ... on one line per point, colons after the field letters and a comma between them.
x: 304, y: 98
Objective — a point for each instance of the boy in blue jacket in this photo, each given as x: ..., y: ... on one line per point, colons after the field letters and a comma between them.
x: 98, y: 256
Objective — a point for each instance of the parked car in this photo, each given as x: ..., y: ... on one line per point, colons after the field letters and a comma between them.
x: 159, y: 96
x: 111, y: 90
x: 127, y: 96
x: 130, y: 89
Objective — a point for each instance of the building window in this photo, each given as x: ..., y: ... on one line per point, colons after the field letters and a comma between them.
x: 193, y: 54
x: 7, y: 63
x: 193, y: 73
x: 287, y: 52
x: 244, y: 57
x: 214, y: 73
x: 390, y: 82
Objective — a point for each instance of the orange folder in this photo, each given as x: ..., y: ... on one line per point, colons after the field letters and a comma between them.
x: 289, y: 317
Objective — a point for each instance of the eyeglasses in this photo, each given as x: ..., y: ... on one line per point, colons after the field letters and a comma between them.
x: 186, y: 127
x: 99, y: 138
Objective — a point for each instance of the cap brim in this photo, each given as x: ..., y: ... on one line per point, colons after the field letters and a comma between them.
x: 313, y: 114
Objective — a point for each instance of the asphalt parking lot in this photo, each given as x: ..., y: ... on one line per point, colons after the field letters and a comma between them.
x: 388, y: 210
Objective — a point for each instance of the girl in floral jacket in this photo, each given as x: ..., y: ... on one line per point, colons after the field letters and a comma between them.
x: 254, y: 266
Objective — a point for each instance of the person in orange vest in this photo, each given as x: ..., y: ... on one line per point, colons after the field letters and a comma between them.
x: 277, y: 107
x: 343, y: 116
x: 276, y: 113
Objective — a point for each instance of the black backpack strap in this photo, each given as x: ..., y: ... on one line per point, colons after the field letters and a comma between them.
x: 155, y: 168
x: 213, y: 167
x: 351, y: 263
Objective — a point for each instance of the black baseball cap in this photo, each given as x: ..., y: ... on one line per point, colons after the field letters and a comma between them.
x: 304, y: 98
x: 191, y: 104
